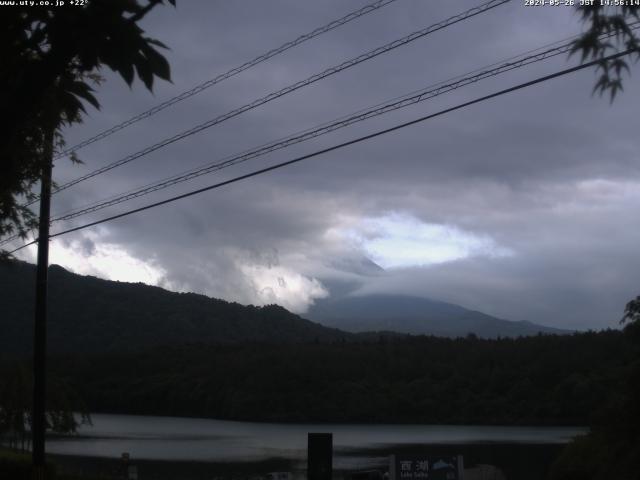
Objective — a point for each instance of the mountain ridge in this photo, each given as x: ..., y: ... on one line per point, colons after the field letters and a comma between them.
x: 92, y: 315
x: 88, y: 314
x: 417, y: 316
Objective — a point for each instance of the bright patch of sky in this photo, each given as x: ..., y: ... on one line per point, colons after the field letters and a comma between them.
x: 262, y: 283
x: 87, y: 256
x: 275, y: 284
x: 400, y: 240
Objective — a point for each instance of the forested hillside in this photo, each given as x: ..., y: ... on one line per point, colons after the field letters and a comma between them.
x: 87, y: 314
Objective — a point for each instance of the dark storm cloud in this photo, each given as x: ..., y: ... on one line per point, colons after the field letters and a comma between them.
x: 549, y: 173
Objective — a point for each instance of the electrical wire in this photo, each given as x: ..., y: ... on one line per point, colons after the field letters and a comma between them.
x: 224, y: 76
x: 356, y: 118
x: 342, y: 118
x: 339, y: 146
x: 518, y: 61
x: 379, y: 109
x: 291, y: 88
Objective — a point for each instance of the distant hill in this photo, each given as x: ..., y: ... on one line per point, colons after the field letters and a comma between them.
x: 415, y: 315
x: 88, y: 315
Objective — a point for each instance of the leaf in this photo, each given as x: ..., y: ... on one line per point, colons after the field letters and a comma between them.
x: 615, y: 86
x: 619, y: 65
x: 144, y: 72
x: 158, y: 63
x: 601, y: 85
x: 84, y: 91
x: 158, y: 43
x: 127, y: 72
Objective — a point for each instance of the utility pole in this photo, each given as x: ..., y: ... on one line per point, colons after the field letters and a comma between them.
x: 40, y: 324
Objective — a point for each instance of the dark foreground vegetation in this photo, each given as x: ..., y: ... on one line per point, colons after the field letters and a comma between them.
x: 17, y: 466
x: 611, y: 450
x: 544, y: 380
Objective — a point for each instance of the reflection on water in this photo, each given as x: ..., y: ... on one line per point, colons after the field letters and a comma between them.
x: 171, y: 438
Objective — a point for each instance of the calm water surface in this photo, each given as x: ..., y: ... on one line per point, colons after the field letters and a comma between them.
x: 174, y: 438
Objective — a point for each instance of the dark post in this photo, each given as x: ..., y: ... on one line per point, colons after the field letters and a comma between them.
x: 320, y: 456
x: 40, y: 326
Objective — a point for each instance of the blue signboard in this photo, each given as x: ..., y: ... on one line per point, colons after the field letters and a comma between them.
x: 426, y: 467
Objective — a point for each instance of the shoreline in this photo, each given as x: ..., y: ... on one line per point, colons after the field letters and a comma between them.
x: 168, y: 469
x: 373, y: 422
x: 529, y: 461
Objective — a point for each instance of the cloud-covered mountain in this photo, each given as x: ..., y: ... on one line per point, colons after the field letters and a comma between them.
x: 415, y: 315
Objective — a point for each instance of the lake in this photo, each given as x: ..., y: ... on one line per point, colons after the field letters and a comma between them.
x: 207, y: 440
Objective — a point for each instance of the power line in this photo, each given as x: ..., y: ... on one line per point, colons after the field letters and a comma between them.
x: 361, y: 115
x: 291, y: 88
x: 539, y: 49
x: 234, y: 71
x: 178, y: 177
x: 421, y: 96
x: 526, y: 58
x: 339, y: 146
x: 379, y: 109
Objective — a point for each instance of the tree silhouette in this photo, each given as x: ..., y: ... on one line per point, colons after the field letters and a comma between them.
x: 612, y: 446
x: 16, y: 387
x: 632, y: 311
x: 51, y: 57
x: 602, y: 20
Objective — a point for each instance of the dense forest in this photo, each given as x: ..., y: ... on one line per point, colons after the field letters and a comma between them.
x: 611, y: 449
x: 550, y: 380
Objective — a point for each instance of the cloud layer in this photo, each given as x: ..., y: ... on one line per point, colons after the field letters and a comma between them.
x: 522, y: 207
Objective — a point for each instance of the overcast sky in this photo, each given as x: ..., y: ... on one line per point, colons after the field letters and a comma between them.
x: 524, y: 207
